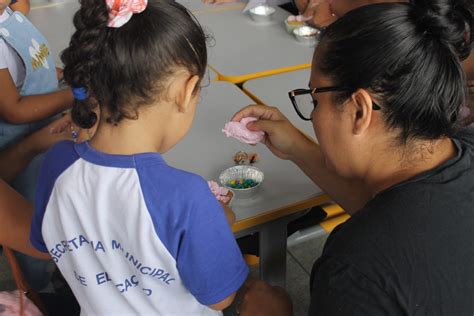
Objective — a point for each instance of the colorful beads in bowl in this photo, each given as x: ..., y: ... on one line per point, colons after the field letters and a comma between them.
x: 242, y: 184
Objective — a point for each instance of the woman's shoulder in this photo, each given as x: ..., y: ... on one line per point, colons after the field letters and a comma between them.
x: 466, y: 135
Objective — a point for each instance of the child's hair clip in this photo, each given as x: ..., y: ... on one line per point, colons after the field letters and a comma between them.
x: 80, y: 93
x: 121, y: 11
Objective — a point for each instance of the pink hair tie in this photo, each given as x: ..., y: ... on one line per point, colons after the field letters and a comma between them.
x: 121, y: 11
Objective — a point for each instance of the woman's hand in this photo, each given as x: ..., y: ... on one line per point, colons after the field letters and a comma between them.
x: 281, y: 137
x: 59, y: 73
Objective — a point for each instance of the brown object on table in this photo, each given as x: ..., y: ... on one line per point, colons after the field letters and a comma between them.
x: 240, y: 158
x: 253, y: 158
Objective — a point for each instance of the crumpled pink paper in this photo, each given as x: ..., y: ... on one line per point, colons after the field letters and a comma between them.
x: 239, y: 131
x: 219, y: 192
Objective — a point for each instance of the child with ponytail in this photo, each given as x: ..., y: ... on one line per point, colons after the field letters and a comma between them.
x: 131, y: 234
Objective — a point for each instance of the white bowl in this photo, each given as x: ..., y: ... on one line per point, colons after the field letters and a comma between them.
x: 291, y: 26
x: 242, y: 172
x: 307, y: 34
x: 262, y: 13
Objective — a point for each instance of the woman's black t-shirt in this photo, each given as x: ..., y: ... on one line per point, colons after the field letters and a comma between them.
x: 409, y: 251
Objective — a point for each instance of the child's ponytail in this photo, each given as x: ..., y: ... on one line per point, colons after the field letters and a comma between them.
x: 82, y: 57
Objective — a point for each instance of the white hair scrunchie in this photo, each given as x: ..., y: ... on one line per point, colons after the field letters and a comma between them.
x: 121, y: 11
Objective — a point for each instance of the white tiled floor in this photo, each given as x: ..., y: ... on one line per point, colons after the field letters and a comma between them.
x: 300, y: 261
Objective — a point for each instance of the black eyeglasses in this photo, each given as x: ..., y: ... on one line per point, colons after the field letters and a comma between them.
x: 304, y: 102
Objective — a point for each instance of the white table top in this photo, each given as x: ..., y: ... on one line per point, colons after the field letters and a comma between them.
x: 273, y: 91
x: 241, y: 46
x: 207, y: 151
x: 198, y: 6
x: 55, y: 22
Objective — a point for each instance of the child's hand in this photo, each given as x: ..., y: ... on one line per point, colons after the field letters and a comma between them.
x: 60, y: 73
x: 229, y: 214
x: 59, y: 130
x: 260, y: 298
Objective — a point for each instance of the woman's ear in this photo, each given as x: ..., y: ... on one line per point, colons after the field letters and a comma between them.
x: 361, y: 111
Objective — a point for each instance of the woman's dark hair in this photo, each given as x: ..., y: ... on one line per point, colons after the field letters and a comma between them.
x: 127, y: 67
x: 409, y: 56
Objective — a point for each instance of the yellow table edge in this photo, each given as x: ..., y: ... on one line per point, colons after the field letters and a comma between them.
x: 243, y: 78
x: 279, y: 213
x: 333, y: 210
x: 329, y: 224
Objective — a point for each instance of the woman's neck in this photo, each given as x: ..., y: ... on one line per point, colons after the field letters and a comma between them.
x: 402, y: 164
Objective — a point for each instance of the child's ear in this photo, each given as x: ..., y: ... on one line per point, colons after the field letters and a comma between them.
x: 188, y: 93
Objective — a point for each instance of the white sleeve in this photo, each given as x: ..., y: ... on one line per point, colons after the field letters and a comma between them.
x: 3, y: 54
x: 11, y: 60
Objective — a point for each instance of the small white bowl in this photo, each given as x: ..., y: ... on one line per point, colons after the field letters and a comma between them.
x: 290, y: 26
x: 242, y: 172
x: 262, y: 13
x: 307, y: 34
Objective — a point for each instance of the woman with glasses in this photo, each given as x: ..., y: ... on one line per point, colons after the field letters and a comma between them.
x: 328, y: 11
x: 384, y: 98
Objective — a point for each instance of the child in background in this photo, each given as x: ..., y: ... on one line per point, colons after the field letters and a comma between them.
x: 130, y: 234
x: 22, y: 6
x: 28, y: 99
x: 16, y: 212
x: 29, y: 96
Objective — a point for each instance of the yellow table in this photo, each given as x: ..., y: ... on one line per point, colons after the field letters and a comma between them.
x: 241, y: 49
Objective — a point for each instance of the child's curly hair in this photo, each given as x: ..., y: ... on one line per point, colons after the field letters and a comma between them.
x: 127, y: 67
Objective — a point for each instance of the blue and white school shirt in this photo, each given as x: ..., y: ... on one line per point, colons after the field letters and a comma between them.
x: 132, y: 235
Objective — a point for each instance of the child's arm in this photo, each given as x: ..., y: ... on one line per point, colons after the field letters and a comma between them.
x: 229, y: 214
x: 224, y: 303
x: 21, y: 5
x: 261, y: 298
x: 16, y: 109
x: 15, y: 222
x: 14, y: 159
